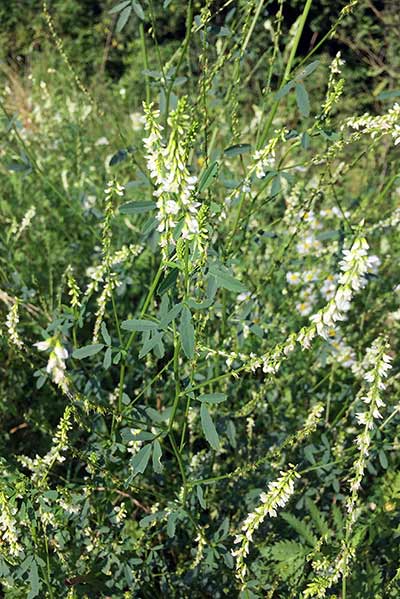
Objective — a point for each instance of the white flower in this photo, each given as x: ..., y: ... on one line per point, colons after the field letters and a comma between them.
x: 43, y: 345
x: 304, y: 308
x: 171, y: 207
x: 308, y: 245
x: 293, y: 278
x: 56, y: 366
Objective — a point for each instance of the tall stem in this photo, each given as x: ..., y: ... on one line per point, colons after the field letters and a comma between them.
x: 288, y: 69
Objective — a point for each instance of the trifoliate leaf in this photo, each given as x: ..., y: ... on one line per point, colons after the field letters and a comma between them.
x: 225, y: 279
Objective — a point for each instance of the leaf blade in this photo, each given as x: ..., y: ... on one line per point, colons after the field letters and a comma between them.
x: 209, y: 430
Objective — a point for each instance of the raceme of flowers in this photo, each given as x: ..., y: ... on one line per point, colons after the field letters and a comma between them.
x: 174, y: 186
x: 279, y: 493
x: 56, y: 366
x: 379, y: 365
x: 12, y: 321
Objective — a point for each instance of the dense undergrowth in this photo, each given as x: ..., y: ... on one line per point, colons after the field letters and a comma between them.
x: 200, y: 300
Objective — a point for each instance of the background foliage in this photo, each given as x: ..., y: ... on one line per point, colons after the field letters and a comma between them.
x: 130, y: 462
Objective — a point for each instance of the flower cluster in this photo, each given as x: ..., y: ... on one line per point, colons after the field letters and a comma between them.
x: 379, y: 366
x: 174, y: 186
x: 335, y: 86
x: 73, y: 289
x: 354, y: 266
x: 376, y: 125
x: 8, y: 528
x: 40, y: 466
x: 279, y: 492
x: 12, y: 321
x: 56, y: 364
x: 26, y: 221
x: 97, y: 273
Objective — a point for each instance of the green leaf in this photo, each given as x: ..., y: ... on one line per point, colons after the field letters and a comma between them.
x: 139, y: 325
x: 128, y: 434
x: 209, y: 430
x: 228, y: 559
x: 305, y: 140
x: 200, y: 496
x: 302, y: 99
x: 231, y: 433
x: 394, y: 93
x: 237, y: 150
x: 159, y: 416
x: 310, y: 68
x: 225, y: 279
x: 200, y: 305
x: 119, y: 7
x: 186, y: 331
x: 284, y: 90
x: 318, y: 518
x: 168, y: 282
x: 170, y: 316
x: 150, y: 343
x: 383, y: 459
x: 157, y: 453
x: 141, y: 459
x: 33, y: 581
x: 171, y: 524
x: 123, y: 18
x: 126, y: 399
x: 276, y: 186
x: 138, y: 9
x: 287, y: 550
x: 18, y: 167
x: 105, y: 334
x: 207, y: 177
x: 137, y: 207
x: 213, y: 398
x: 87, y: 351
x: 302, y: 528
x: 107, y: 358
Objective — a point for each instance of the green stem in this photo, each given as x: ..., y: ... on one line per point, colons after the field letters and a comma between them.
x: 180, y: 464
x: 184, y: 48
x: 145, y: 61
x: 149, y: 296
x: 288, y: 69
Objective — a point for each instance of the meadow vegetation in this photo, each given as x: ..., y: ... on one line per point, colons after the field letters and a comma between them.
x: 199, y: 299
